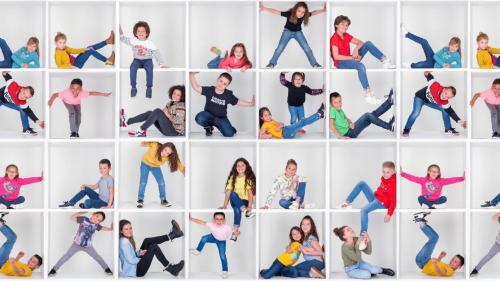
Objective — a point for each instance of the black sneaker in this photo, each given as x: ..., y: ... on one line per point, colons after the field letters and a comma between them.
x: 391, y: 97
x: 77, y: 135
x: 392, y: 123
x: 488, y: 204
x: 3, y: 214
x: 174, y: 269
x: 388, y: 272
x: 108, y: 271
x: 321, y: 110
x: 474, y: 272
x: 270, y: 65
x: 452, y: 132
x: 149, y: 92
x: 66, y: 204
x: 73, y: 135
x: 140, y: 203
x: 234, y: 238
x: 52, y: 272
x: 420, y: 216
x: 29, y: 132
x: 317, y: 65
x: 133, y: 92
x: 81, y: 205
x: 209, y: 131
x: 406, y: 132
x: 165, y: 203
x: 495, y: 135
x: 176, y: 231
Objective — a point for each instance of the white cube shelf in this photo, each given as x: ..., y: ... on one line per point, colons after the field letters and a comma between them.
x: 480, y: 114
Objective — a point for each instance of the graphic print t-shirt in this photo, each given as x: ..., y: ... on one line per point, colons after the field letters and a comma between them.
x: 85, y: 231
x: 217, y: 104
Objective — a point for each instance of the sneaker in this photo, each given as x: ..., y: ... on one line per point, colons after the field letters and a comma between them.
x: 406, y: 65
x: 77, y: 135
x: 73, y: 135
x: 66, y: 204
x: 249, y: 214
x: 137, y: 133
x: 420, y: 216
x: 495, y: 135
x: 308, y: 206
x: 234, y: 238
x: 174, y: 269
x: 474, y: 272
x: 81, y: 205
x: 344, y: 205
x: 29, y: 132
x: 216, y: 51
x: 321, y: 110
x: 2, y: 215
x: 52, y: 272
x: 452, y: 132
x: 392, y: 123
x: 194, y: 252
x: 108, y: 271
x: 165, y: 203
x: 406, y: 132
x: 404, y: 31
x: 316, y: 273
x: 388, y: 272
x: 391, y: 96
x: 149, y: 92
x: 388, y: 64
x: 317, y: 65
x: 123, y: 118
x: 133, y: 92
x: 209, y: 131
x: 176, y: 231
x: 270, y: 66
x: 224, y: 275
x: 18, y: 206
x: 140, y: 203
x: 362, y: 245
x: 439, y: 206
x: 488, y: 204
x: 294, y: 206
x: 371, y: 99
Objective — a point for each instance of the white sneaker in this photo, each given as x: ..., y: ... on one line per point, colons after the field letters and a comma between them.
x: 362, y: 246
x: 18, y: 206
x: 440, y: 206
x: 388, y: 64
x: 406, y: 65
x: 294, y: 206
x: 344, y: 205
x: 371, y: 99
x: 404, y: 31
x: 225, y: 275
x: 193, y: 251
x: 308, y: 206
x: 250, y: 214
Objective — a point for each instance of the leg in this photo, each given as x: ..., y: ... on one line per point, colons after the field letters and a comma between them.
x: 224, y: 126
x: 495, y: 114
x: 441, y: 200
x: 293, y: 114
x: 152, y: 251
x: 214, y: 63
x: 361, y: 69
x: 204, y: 119
x: 72, y: 117
x: 383, y: 108
x: 18, y: 200
x: 134, y: 67
x: 364, y: 121
x: 236, y: 203
x: 94, y: 203
x: 93, y: 254
x: 209, y: 238
x: 304, y: 267
x: 495, y: 200
x: 301, y: 39
x: 78, y: 117
x: 494, y: 250
x: 157, y: 173
x: 160, y: 120
x: 99, y: 45
x: 285, y: 38
x: 425, y: 253
x: 285, y: 203
x: 422, y: 200
x: 24, y: 117
x: 154, y: 241
x: 73, y: 249
x: 139, y: 118
x: 426, y: 47
x: 358, y: 188
x: 148, y: 67
x: 372, y: 206
x: 81, y: 59
x: 5, y: 202
x: 368, y: 46
x: 7, y: 246
x: 417, y: 107
x: 84, y: 192
x: 373, y: 269
x: 300, y: 112
x: 274, y: 270
x: 291, y: 130
x: 445, y: 115
x: 7, y: 54
x: 145, y: 169
x: 221, y: 246
x: 301, y: 191
x: 357, y: 273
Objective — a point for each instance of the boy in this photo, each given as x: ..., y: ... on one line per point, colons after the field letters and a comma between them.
x: 429, y: 265
x: 491, y: 98
x: 220, y: 232
x: 83, y: 240
x: 494, y: 250
x: 103, y: 199
x: 493, y: 203
x: 15, y: 96
x: 435, y: 96
x: 72, y: 98
x: 217, y: 99
x: 343, y: 128
x: 13, y: 266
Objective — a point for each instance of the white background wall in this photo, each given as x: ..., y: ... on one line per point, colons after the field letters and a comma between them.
x: 481, y: 242
x: 483, y: 19
x: 310, y: 162
x: 71, y: 165
x: 271, y: 28
x: 208, y: 181
x: 483, y: 168
x: 481, y: 117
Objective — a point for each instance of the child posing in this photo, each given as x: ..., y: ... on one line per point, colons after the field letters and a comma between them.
x: 170, y: 121
x: 15, y: 96
x: 270, y: 128
x: 435, y: 96
x: 295, y: 16
x: 354, y: 265
x: 446, y: 57
x: 26, y: 57
x: 64, y: 54
x: 103, y: 199
x: 83, y: 240
x: 485, y: 54
x: 432, y: 186
x: 287, y: 258
x: 343, y: 58
x: 220, y: 231
x: 343, y: 128
x: 429, y: 265
x: 237, y: 59
x: 72, y: 98
x: 143, y: 50
x: 494, y: 250
x: 491, y: 98
x: 11, y: 185
x: 217, y: 99
x: 240, y: 191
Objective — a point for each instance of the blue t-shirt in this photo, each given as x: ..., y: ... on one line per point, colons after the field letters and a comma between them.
x: 308, y: 244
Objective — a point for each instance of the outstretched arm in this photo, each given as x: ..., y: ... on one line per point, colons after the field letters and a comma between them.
x: 249, y: 103
x: 106, y: 228
x: 195, y: 220
x: 194, y: 83
x: 53, y: 98
x: 100, y: 94
x: 474, y: 99
x: 269, y: 10
x: 76, y: 215
x: 319, y: 11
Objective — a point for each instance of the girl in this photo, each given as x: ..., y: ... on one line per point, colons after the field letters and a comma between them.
x: 343, y: 58
x: 270, y: 128
x: 170, y: 121
x: 136, y: 263
x: 312, y: 253
x: 287, y: 258
x: 293, y: 29
x: 354, y: 265
x: 297, y: 95
x: 157, y: 155
x: 432, y: 186
x: 25, y: 57
x: 485, y: 54
x: 64, y: 58
x: 240, y: 191
x: 446, y: 57
x: 237, y: 59
x: 11, y: 186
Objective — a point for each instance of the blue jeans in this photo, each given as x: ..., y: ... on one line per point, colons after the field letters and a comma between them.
x: 302, y: 269
x: 301, y: 192
x: 426, y: 47
x: 207, y: 119
x: 362, y: 270
x: 422, y: 200
x: 275, y: 270
x: 214, y: 64
x: 7, y: 54
x: 221, y: 246
x: 373, y: 203
x: 148, y: 67
x: 296, y: 113
x: 495, y: 200
x: 290, y: 131
x: 8, y: 244
x: 24, y: 117
x: 425, y: 253
x: 371, y: 118
x: 358, y: 65
x: 7, y: 203
x: 157, y: 173
x: 286, y: 36
x: 94, y: 202
x: 82, y: 58
x: 418, y: 103
x: 237, y: 203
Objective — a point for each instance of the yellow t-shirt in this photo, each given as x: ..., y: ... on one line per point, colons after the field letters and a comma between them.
x: 430, y: 270
x: 289, y: 259
x: 9, y: 271
x: 239, y: 187
x: 62, y: 57
x: 270, y: 127
x: 150, y: 158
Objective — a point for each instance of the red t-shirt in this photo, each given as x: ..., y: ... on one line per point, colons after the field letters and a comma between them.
x: 342, y: 43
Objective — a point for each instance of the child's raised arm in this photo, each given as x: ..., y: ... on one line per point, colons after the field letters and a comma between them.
x: 195, y: 220
x: 269, y: 10
x: 283, y: 80
x: 249, y: 103
x: 100, y: 94
x: 194, y: 82
x: 106, y: 228
x: 76, y: 215
x: 319, y: 11
x: 412, y: 178
x: 474, y: 99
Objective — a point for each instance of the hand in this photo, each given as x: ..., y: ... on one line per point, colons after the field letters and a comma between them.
x: 400, y: 169
x: 107, y: 94
x: 323, y: 88
x: 142, y: 252
x: 222, y: 207
x: 387, y: 218
x: 463, y: 123
x: 111, y: 225
x: 442, y: 254
x: 5, y: 72
x: 261, y: 6
x: 20, y: 254
x: 74, y: 67
x: 41, y: 123
x: 344, y: 137
x: 41, y: 174
x: 472, y: 102
x: 324, y: 7
x: 24, y: 65
x: 355, y: 56
x: 228, y: 69
x: 351, y: 125
x: 253, y: 100
x: 427, y: 72
x: 265, y: 207
x: 244, y: 68
x: 288, y: 249
x: 120, y: 29
x: 12, y: 261
x: 82, y: 186
x: 163, y: 66
x: 446, y: 65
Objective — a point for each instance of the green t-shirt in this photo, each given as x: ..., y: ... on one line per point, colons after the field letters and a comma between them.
x: 340, y: 121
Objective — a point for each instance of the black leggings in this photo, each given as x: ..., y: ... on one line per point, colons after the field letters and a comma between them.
x: 156, y: 117
x: 152, y: 250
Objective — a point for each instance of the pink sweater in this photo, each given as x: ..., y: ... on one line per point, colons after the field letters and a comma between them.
x: 431, y: 189
x: 230, y: 62
x: 10, y: 188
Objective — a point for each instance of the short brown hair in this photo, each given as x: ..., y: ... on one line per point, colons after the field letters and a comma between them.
x: 105, y: 162
x: 389, y: 164
x: 227, y: 76
x: 291, y: 162
x: 32, y: 91
x: 59, y: 36
x: 481, y: 36
x: 142, y: 24
x: 340, y: 19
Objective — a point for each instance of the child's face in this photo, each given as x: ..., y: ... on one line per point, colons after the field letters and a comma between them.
x: 342, y: 26
x: 387, y: 173
x: 297, y: 81
x: 336, y: 102
x: 61, y: 44
x: 241, y: 168
x: 96, y: 218
x: 446, y: 94
x: 238, y: 53
x: 455, y: 263
x: 296, y: 236
x: 496, y: 90
x: 104, y: 169
x: 301, y: 11
x: 306, y: 226
x: 75, y: 89
x: 219, y: 220
x: 141, y: 33
x: 166, y: 152
x: 11, y: 172
x: 33, y: 263
x: 349, y: 233
x: 24, y: 94
x: 483, y: 44
x: 222, y: 83
x: 291, y: 170
x: 453, y: 48
x: 267, y: 116
x: 31, y: 48
x: 127, y: 231
x: 176, y: 96
x: 433, y: 172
